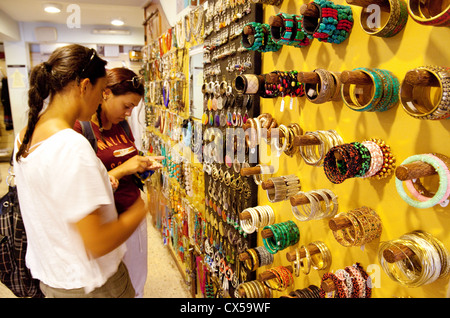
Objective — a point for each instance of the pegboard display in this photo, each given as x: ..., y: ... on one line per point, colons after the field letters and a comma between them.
x: 342, y: 189
x: 403, y: 127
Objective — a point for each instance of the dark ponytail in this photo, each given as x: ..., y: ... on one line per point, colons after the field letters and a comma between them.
x: 66, y: 64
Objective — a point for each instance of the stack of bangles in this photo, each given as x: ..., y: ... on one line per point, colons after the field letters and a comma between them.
x: 430, y: 259
x: 351, y: 282
x: 398, y: 16
x: 259, y: 256
x: 365, y: 227
x: 427, y: 13
x: 262, y: 38
x: 282, y: 278
x: 259, y: 127
x: 328, y: 88
x: 420, y: 197
x: 290, y: 32
x: 371, y: 158
x: 316, y: 209
x: 314, y: 154
x: 283, y: 188
x: 260, y: 216
x: 284, y: 141
x: 385, y: 87
x: 263, y: 170
x: 334, y: 24
x: 285, y: 234
x: 253, y: 289
x: 421, y: 102
x: 305, y: 263
x: 287, y: 85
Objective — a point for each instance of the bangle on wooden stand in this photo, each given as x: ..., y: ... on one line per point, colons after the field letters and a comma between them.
x: 429, y: 12
x: 398, y: 16
x: 322, y: 204
x: 313, y: 154
x: 351, y: 282
x: 277, y: 278
x: 416, y: 93
x: 440, y: 165
x: 421, y: 259
x: 356, y: 227
x: 281, y: 188
x: 371, y: 90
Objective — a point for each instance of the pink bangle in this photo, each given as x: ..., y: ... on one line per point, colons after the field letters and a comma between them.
x: 422, y: 198
x: 376, y: 158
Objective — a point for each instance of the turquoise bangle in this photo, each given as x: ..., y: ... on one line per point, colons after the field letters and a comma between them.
x: 443, y: 183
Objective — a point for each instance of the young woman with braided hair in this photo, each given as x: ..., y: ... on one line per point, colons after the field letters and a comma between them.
x: 75, y: 236
x: 116, y: 148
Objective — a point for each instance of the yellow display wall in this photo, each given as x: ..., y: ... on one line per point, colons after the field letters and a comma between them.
x: 415, y: 46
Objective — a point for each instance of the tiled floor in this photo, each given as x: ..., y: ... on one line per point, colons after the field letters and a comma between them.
x: 163, y: 280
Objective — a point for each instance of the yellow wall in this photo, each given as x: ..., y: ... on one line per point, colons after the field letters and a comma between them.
x: 415, y: 46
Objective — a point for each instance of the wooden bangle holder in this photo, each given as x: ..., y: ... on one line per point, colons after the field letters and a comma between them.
x: 418, y: 77
x: 292, y: 256
x: 355, y: 77
x: 306, y: 140
x: 250, y: 171
x: 308, y: 77
x: 383, y: 4
x: 269, y: 275
x: 276, y: 21
x: 339, y: 223
x: 300, y: 199
x: 310, y: 10
x: 414, y: 170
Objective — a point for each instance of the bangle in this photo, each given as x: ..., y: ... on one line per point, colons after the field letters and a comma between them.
x: 443, y: 190
x: 334, y: 24
x: 417, y: 102
x: 398, y: 16
x: 376, y: 158
x: 306, y: 268
x: 284, y: 35
x: 338, y: 292
x: 324, y: 90
x: 423, y: 13
x: 324, y: 261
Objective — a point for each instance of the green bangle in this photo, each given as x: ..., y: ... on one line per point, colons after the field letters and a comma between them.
x: 443, y: 183
x: 284, y: 34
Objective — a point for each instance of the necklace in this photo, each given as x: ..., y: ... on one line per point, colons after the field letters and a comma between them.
x: 180, y: 33
x: 166, y: 93
x: 187, y: 30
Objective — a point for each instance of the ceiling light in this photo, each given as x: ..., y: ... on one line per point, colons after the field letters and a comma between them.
x: 117, y: 22
x: 52, y: 8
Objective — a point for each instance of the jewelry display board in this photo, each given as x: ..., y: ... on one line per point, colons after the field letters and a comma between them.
x: 344, y: 189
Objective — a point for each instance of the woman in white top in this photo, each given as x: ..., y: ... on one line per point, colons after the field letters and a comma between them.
x: 75, y: 238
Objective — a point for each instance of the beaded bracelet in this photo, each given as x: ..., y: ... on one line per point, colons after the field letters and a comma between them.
x: 339, y: 291
x: 443, y: 182
x: 334, y: 25
x: 284, y: 35
x: 338, y: 171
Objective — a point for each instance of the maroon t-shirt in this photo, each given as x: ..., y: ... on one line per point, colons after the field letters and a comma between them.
x: 113, y: 149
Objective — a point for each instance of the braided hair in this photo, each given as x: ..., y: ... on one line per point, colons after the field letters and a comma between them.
x: 66, y: 64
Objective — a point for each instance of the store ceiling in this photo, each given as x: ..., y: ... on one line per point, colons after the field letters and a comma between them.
x: 92, y: 12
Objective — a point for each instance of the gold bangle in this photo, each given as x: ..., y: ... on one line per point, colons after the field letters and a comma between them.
x: 398, y: 16
x: 423, y: 12
x: 416, y: 100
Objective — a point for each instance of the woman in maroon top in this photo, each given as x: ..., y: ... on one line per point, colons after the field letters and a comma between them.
x: 116, y: 149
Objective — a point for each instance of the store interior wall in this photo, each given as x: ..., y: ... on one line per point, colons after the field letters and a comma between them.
x: 417, y: 45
